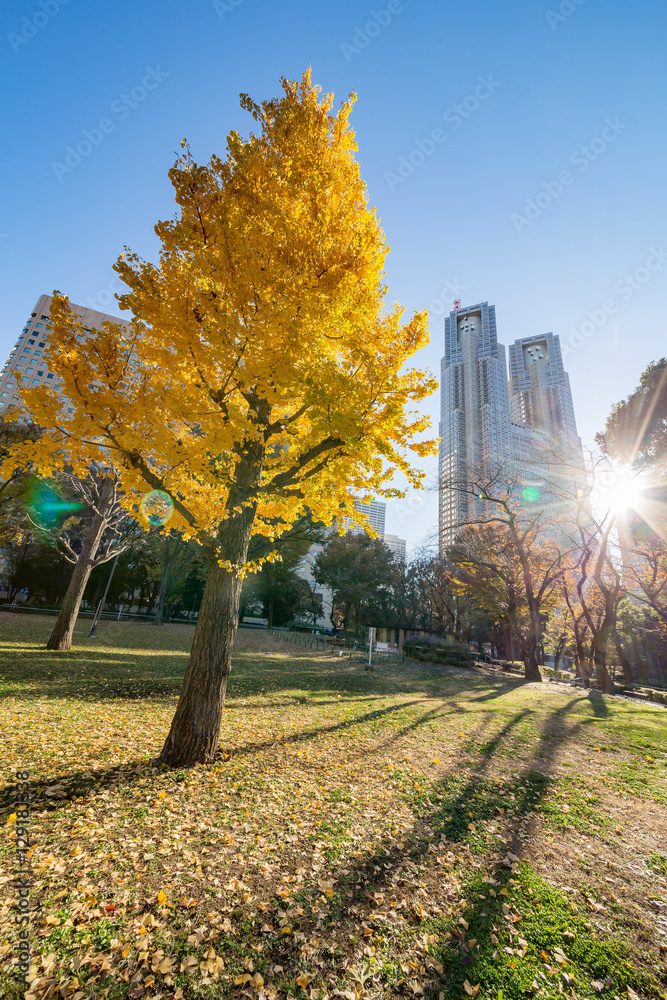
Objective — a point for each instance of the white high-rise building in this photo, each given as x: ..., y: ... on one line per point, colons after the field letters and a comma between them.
x: 375, y: 511
x: 305, y: 570
x: 475, y: 424
x: 31, y: 354
x: 396, y: 546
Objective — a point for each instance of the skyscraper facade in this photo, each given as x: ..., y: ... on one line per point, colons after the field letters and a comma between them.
x: 539, y: 391
x: 396, y: 546
x: 375, y: 511
x: 475, y: 424
x: 31, y: 354
x: 524, y: 425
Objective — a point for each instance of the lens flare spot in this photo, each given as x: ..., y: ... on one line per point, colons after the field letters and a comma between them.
x: 531, y: 494
x: 157, y: 507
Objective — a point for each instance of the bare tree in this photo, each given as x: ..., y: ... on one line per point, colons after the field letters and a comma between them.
x: 104, y: 531
x: 543, y: 552
x: 599, y: 585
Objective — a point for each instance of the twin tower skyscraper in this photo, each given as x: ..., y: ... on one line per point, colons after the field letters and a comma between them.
x: 489, y: 423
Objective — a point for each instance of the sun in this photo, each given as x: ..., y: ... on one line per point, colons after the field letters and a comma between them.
x: 618, y: 489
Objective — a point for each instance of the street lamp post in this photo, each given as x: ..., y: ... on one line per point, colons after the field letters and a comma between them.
x: 98, y: 613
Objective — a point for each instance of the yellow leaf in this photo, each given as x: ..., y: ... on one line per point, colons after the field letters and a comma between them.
x: 303, y: 980
x: 11, y: 818
x: 161, y: 898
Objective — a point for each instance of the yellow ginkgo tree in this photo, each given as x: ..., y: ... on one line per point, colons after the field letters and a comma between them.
x: 262, y: 375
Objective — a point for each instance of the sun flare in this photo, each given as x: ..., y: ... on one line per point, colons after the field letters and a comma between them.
x: 619, y: 489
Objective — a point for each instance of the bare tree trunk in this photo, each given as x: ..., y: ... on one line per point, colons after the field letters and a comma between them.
x: 558, y: 655
x: 623, y: 657
x: 164, y: 582
x: 532, y: 667
x: 605, y: 682
x: 61, y: 637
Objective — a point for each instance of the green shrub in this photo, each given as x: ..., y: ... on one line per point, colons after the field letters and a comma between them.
x: 653, y: 693
x: 429, y: 649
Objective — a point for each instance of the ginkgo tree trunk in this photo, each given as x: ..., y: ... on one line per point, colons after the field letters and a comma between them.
x: 262, y: 377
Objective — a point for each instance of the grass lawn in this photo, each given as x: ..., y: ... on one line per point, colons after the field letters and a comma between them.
x: 415, y: 831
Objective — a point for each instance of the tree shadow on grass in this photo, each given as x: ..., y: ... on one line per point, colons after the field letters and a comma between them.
x: 502, y: 687
x: 85, y: 782
x: 453, y: 814
x: 305, y: 734
x: 598, y: 704
x: 442, y: 818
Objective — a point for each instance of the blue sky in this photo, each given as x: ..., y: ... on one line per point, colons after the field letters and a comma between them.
x: 486, y: 212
